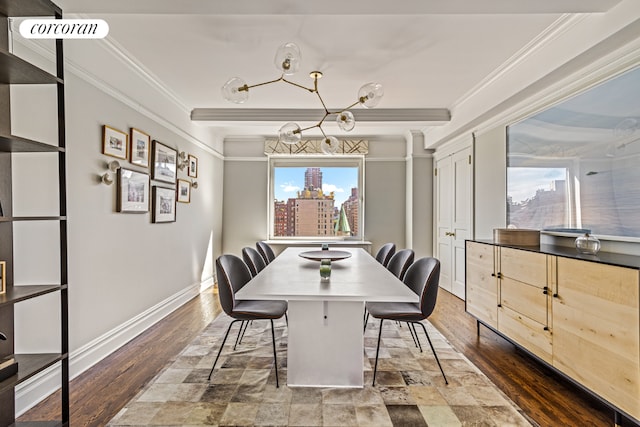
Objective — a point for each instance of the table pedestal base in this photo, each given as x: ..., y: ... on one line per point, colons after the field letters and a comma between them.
x: 325, y: 345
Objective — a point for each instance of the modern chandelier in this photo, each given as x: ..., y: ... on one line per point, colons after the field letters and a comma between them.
x: 287, y: 61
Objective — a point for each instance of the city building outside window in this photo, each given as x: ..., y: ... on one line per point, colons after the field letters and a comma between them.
x: 317, y: 198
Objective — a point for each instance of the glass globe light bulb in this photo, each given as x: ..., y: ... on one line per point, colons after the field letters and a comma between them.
x: 235, y: 90
x: 290, y: 133
x: 370, y: 94
x: 288, y: 58
x: 346, y: 121
x: 329, y: 145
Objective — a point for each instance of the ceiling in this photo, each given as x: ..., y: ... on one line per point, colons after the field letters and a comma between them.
x: 427, y: 54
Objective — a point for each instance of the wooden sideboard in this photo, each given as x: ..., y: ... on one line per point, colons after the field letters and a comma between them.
x: 579, y: 314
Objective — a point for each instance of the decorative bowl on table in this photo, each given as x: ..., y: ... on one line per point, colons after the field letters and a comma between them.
x: 325, y: 254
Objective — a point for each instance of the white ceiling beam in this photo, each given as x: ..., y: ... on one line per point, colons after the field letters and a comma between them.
x: 416, y: 115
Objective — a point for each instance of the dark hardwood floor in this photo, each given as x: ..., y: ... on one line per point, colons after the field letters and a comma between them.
x: 546, y: 398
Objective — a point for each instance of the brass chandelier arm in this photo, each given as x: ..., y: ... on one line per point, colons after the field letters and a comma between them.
x: 322, y: 102
x: 297, y: 85
x: 346, y: 108
x: 247, y: 87
x: 312, y: 90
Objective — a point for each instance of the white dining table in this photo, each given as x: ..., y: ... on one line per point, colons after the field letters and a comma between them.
x: 325, y: 331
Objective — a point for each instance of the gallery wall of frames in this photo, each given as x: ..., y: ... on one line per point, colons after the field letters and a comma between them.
x: 150, y: 175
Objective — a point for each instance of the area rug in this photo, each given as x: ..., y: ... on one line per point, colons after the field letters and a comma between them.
x: 409, y: 390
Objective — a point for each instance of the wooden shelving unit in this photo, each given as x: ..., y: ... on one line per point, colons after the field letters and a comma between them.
x: 16, y: 71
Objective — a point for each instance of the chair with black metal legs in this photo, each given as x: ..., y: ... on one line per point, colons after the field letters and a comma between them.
x: 385, y: 253
x: 422, y: 277
x: 397, y: 263
x: 400, y: 262
x: 265, y: 250
x: 233, y: 274
x: 256, y: 264
x: 254, y: 260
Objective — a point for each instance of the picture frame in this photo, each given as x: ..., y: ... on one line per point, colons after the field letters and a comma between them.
x: 164, y: 205
x: 139, y: 148
x: 165, y: 162
x: 115, y: 143
x: 184, y: 191
x: 3, y: 274
x: 192, y: 171
x: 133, y: 191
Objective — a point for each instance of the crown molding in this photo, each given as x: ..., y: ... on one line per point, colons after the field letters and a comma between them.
x: 430, y: 115
x: 546, y: 37
x: 48, y: 54
x: 606, y: 67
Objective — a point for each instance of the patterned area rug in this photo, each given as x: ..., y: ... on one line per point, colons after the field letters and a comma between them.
x: 409, y: 391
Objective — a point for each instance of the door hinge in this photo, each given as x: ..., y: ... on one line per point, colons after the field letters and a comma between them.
x: 435, y: 171
x: 469, y: 158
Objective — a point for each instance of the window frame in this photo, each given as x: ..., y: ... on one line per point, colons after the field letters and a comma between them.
x: 322, y: 161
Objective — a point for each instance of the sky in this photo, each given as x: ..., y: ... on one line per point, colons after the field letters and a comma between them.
x: 288, y: 181
x: 522, y: 183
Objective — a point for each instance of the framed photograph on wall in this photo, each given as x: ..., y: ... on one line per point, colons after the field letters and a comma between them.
x: 193, y: 166
x: 133, y: 191
x: 184, y: 191
x: 140, y: 148
x: 3, y: 273
x: 165, y: 161
x: 114, y: 142
x: 164, y: 204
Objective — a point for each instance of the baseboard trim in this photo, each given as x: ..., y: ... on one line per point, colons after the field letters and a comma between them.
x: 36, y: 389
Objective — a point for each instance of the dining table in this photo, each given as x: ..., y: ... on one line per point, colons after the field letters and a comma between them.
x: 325, y: 346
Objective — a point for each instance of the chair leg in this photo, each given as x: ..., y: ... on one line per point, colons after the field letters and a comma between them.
x: 246, y: 326
x: 434, y: 351
x: 366, y: 319
x: 221, y: 346
x: 417, y: 337
x: 238, y: 337
x: 413, y: 336
x: 375, y: 367
x: 275, y: 358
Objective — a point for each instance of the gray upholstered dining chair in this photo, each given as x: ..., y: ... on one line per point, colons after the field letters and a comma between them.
x: 266, y: 251
x: 233, y: 274
x: 422, y: 277
x: 400, y: 262
x: 385, y: 253
x: 254, y: 260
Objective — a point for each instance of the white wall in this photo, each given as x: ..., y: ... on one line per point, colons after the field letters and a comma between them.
x: 490, y: 178
x: 125, y: 273
x: 420, y: 195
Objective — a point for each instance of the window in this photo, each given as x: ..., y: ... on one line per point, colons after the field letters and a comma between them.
x: 538, y: 198
x: 573, y: 166
x: 316, y: 197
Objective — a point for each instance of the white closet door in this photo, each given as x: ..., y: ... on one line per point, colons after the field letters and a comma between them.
x: 461, y: 217
x: 444, y: 204
x: 454, y: 196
